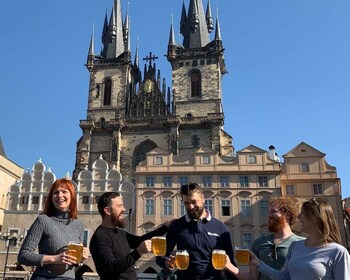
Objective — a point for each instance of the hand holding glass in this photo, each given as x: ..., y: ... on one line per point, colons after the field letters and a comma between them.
x: 78, y: 248
x: 159, y: 245
x: 242, y: 255
x: 182, y: 259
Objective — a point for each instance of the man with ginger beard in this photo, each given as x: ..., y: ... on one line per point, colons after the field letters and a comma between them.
x: 111, y: 246
x: 272, y: 249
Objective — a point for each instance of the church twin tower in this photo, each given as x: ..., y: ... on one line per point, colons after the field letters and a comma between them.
x: 131, y: 113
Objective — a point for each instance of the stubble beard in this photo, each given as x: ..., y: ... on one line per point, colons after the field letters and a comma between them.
x: 196, y: 214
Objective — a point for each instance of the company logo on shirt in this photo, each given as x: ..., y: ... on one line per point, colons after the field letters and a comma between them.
x: 213, y: 234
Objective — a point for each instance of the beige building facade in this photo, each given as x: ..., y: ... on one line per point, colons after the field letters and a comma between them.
x: 9, y: 173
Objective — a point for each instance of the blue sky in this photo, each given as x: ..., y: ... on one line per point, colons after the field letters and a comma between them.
x: 288, y: 73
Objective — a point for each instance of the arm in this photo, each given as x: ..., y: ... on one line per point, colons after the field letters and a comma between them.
x: 252, y: 274
x: 269, y: 271
x: 341, y: 268
x: 135, y: 241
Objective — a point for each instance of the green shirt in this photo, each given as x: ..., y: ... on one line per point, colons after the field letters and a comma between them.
x: 273, y: 255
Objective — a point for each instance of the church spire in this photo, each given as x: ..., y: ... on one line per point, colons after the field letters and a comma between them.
x: 209, y: 18
x: 194, y: 26
x: 2, y: 150
x: 217, y: 28
x: 91, y: 53
x: 115, y: 45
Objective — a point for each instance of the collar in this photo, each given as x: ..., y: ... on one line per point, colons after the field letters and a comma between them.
x: 207, y: 217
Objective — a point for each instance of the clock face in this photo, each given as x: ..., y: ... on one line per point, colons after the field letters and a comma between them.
x: 148, y: 86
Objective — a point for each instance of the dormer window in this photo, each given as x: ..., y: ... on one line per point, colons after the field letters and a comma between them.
x: 196, y: 83
x: 158, y: 161
x: 205, y: 159
x: 305, y: 167
x: 251, y: 159
x: 107, y: 92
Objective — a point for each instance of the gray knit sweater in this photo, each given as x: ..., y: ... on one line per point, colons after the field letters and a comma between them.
x: 51, y: 235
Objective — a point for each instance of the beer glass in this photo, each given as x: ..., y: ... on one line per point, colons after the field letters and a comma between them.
x: 242, y: 255
x: 218, y: 259
x: 159, y: 245
x: 182, y: 259
x: 78, y: 250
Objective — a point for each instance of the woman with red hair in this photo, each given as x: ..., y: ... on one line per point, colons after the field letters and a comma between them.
x: 51, y: 232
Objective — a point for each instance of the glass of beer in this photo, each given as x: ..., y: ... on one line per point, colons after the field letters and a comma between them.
x: 78, y: 250
x: 182, y: 259
x: 159, y: 245
x: 242, y: 255
x: 218, y: 259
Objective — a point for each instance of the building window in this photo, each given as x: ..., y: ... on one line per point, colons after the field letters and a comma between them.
x: 263, y: 181
x: 263, y: 207
x: 247, y: 239
x: 251, y: 159
x: 205, y: 159
x: 24, y: 199
x: 206, y: 181
x: 35, y: 200
x: 167, y: 181
x: 225, y: 207
x: 85, y: 200
x: 290, y: 190
x: 182, y: 208
x: 158, y: 161
x: 245, y: 208
x: 208, y: 204
x: 107, y: 93
x: 86, y: 238
x: 196, y: 83
x: 243, y: 181
x: 167, y: 207
x: 183, y: 180
x: 149, y: 206
x: 96, y: 198
x: 150, y: 181
x: 318, y: 188
x: 224, y: 181
x: 305, y: 167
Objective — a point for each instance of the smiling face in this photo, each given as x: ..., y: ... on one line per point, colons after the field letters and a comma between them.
x: 308, y: 223
x: 61, y: 198
x: 116, y: 212
x: 194, y: 205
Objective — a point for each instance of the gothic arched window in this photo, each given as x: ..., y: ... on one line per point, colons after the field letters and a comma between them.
x: 107, y: 93
x: 196, y: 83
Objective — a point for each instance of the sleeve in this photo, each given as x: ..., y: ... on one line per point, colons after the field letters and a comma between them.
x: 27, y: 255
x: 101, y: 250
x: 341, y: 268
x: 135, y: 241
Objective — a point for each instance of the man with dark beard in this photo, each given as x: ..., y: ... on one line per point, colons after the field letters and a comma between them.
x: 272, y: 249
x: 110, y: 245
x: 199, y: 234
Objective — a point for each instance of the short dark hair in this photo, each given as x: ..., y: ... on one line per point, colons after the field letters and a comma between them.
x: 105, y: 201
x: 190, y: 188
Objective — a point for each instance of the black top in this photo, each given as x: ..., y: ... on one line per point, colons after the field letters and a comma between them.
x: 112, y: 255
